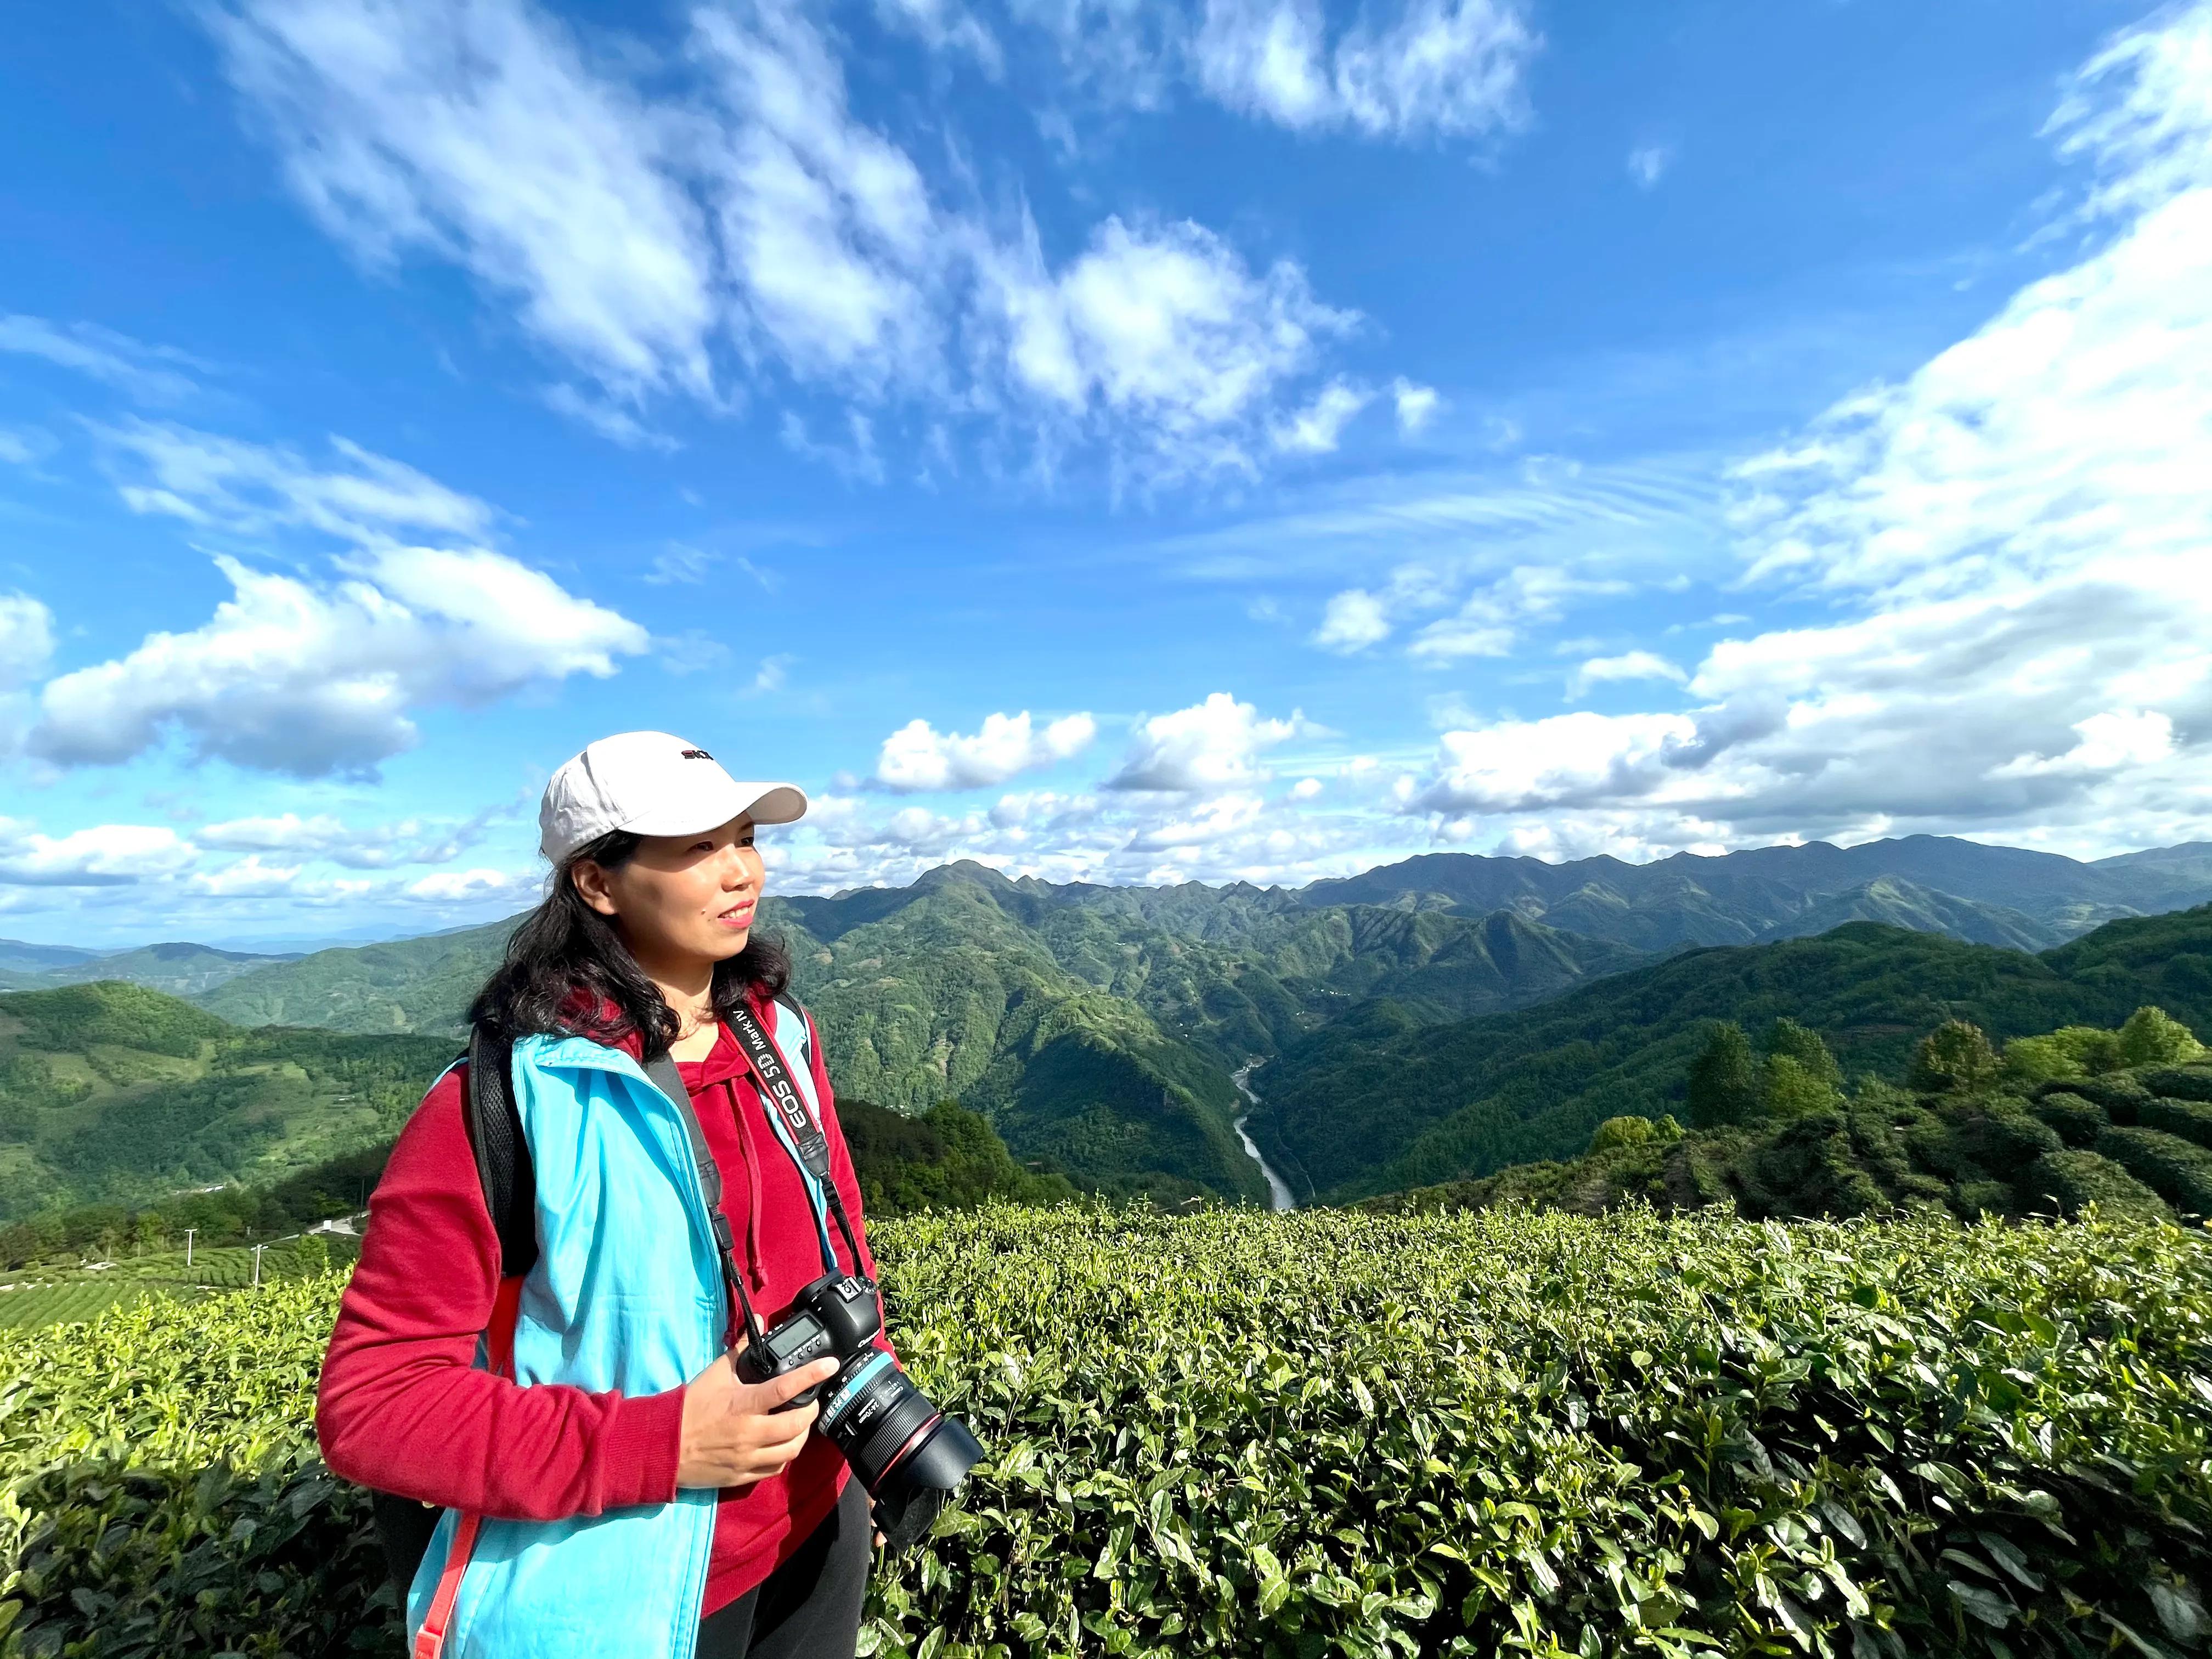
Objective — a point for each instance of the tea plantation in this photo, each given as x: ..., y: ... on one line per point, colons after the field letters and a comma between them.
x: 1499, y: 1433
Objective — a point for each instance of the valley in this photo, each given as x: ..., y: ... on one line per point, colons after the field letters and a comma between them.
x: 1429, y: 1021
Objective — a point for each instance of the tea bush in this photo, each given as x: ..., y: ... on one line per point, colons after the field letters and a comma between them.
x: 1325, y: 1432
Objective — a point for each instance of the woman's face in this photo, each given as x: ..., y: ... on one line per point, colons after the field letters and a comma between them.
x: 681, y: 898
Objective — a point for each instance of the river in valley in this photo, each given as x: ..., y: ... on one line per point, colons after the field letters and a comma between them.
x: 1279, y: 1190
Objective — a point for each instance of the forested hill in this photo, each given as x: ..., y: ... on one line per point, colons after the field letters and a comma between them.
x: 113, y: 1092
x: 1096, y: 1027
x: 1382, y: 1100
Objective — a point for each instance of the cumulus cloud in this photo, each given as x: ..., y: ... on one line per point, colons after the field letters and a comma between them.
x: 1416, y: 406
x: 102, y: 855
x: 2015, y: 542
x: 918, y: 757
x: 1212, y: 746
x: 742, y: 221
x: 1351, y: 621
x: 308, y: 679
x: 1314, y: 430
x: 1161, y: 330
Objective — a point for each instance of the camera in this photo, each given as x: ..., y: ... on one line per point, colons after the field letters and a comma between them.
x: 908, y: 1455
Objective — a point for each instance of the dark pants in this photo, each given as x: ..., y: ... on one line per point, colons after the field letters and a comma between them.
x: 810, y: 1607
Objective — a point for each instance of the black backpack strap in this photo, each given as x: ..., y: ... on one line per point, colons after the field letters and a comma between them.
x: 510, y: 1184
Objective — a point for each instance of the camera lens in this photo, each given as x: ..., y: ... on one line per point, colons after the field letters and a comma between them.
x: 908, y: 1455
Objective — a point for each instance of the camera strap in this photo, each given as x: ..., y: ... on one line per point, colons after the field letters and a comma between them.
x: 798, y: 1128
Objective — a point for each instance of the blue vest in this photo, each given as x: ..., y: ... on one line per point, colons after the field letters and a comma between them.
x: 627, y: 1295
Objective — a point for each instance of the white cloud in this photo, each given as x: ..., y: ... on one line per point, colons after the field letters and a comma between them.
x: 1566, y: 761
x: 947, y: 26
x: 1416, y: 406
x: 456, y: 887
x: 2120, y: 738
x: 1490, y: 621
x: 104, y: 855
x: 1437, y: 67
x: 1314, y: 430
x: 230, y: 484
x: 1212, y: 746
x: 610, y: 420
x: 1160, y: 331
x: 1648, y: 164
x: 1352, y: 621
x: 1629, y: 665
x: 480, y: 133
x: 372, y: 847
x: 917, y: 758
x: 2015, y: 542
x: 772, y: 675
x: 306, y: 679
x: 150, y: 373
x: 741, y: 221
x: 27, y: 640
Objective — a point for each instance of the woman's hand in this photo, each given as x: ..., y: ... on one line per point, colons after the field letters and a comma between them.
x: 733, y: 1433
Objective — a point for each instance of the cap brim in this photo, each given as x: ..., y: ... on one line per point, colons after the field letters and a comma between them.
x: 764, y: 803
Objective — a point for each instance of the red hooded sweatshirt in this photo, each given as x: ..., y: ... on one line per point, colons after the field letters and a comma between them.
x: 402, y: 1408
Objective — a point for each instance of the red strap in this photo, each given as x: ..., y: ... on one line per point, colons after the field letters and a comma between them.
x: 430, y: 1640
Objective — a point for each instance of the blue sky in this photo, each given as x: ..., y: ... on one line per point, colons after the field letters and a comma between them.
x: 1107, y: 438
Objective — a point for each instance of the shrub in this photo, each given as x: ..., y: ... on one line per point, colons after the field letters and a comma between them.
x: 2176, y: 1170
x: 1622, y: 1132
x: 2180, y: 1082
x: 2078, y: 1123
x: 1318, y: 1434
x: 2191, y: 1120
x: 2119, y: 1096
x: 2070, y: 1182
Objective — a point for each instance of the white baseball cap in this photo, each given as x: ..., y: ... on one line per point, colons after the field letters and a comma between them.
x: 651, y: 784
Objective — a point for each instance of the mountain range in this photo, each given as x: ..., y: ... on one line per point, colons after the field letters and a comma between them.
x: 1096, y: 1027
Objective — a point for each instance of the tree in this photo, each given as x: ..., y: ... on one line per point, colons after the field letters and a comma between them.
x: 1790, y: 1088
x: 1954, y: 1056
x: 2154, y: 1037
x: 1787, y: 1037
x: 311, y: 1253
x: 1724, y: 1080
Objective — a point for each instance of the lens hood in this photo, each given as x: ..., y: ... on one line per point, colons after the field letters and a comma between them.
x: 913, y: 1490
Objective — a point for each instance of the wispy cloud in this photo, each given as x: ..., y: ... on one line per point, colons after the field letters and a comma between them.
x: 741, y: 224
x: 150, y: 375
x: 1648, y: 164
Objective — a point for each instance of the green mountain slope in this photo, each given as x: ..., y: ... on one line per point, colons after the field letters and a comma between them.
x: 1382, y: 1101
x: 1778, y: 891
x: 110, y: 1091
x: 177, y: 969
x: 2134, y: 1140
x: 407, y: 984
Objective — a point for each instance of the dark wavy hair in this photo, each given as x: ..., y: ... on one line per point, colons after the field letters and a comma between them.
x: 567, y: 972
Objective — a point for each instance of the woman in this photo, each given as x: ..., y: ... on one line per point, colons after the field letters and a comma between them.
x: 635, y: 1495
